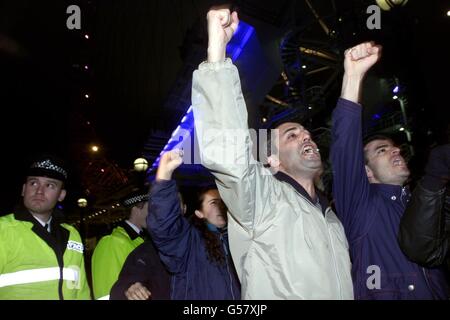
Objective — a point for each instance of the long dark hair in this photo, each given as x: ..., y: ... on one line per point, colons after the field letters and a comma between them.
x: 212, y: 242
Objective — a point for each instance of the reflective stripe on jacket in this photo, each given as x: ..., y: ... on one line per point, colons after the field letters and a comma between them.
x: 29, y: 267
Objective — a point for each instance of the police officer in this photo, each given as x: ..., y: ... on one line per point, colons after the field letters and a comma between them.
x: 41, y: 258
x: 112, y: 250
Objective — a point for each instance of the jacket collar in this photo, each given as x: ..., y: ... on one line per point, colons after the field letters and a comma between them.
x: 389, y: 189
x: 392, y: 192
x: 129, y: 230
x: 215, y: 229
x: 58, y: 237
x: 281, y: 176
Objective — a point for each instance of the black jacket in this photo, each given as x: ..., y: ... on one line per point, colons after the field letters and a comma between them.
x: 424, y: 234
x: 143, y: 265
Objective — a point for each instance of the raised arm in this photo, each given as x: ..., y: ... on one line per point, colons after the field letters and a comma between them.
x: 170, y: 231
x: 350, y: 183
x: 222, y: 24
x: 221, y: 124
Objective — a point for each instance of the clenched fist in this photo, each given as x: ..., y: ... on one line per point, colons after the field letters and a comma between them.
x: 168, y: 163
x: 360, y: 58
x: 222, y: 24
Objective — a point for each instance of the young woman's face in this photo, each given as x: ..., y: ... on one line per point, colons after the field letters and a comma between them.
x: 213, y: 209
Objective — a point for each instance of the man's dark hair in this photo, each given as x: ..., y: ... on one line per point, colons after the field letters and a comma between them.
x: 293, y: 115
x: 372, y: 137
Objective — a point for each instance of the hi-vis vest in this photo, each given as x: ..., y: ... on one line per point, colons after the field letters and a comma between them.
x: 29, y: 266
x: 108, y: 259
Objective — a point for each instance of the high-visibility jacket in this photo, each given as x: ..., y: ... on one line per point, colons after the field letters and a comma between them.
x: 109, y: 256
x: 38, y: 265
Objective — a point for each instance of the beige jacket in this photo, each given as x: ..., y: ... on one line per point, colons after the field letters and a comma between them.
x: 282, y: 245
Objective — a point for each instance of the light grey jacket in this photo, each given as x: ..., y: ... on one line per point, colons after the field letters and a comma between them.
x: 282, y: 245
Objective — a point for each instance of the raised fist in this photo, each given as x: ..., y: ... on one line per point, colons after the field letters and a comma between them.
x: 222, y: 24
x: 168, y: 163
x: 359, y: 59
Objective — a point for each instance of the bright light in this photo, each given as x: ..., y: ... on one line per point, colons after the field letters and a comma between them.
x: 86, y: 36
x: 264, y: 120
x: 448, y: 13
x: 86, y: 96
x: 94, y: 148
x: 82, y: 202
x: 303, y: 66
x: 140, y: 164
x: 86, y: 67
x: 395, y: 90
x: 309, y: 108
x: 395, y: 97
x: 401, y: 129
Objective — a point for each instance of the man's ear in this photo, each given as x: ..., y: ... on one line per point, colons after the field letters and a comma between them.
x: 369, y: 172
x: 62, y: 195
x: 273, y: 161
x: 199, y: 214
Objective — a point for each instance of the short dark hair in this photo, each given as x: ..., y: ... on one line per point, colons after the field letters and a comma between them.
x: 271, y: 134
x: 291, y: 115
x: 372, y: 137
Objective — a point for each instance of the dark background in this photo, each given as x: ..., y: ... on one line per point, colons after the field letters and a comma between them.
x: 138, y: 51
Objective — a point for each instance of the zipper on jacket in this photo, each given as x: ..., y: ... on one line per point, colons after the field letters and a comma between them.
x: 403, y: 195
x: 324, y: 217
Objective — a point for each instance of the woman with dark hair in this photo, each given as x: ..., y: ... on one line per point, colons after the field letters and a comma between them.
x: 195, y: 252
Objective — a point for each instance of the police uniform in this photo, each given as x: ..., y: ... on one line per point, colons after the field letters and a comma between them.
x: 112, y: 251
x: 36, y: 264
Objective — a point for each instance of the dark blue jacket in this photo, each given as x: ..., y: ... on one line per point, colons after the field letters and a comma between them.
x: 371, y: 216
x: 182, y: 249
x: 143, y: 265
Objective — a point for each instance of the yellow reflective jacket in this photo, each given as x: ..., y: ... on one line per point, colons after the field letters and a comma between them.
x: 38, y: 265
x: 109, y: 256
